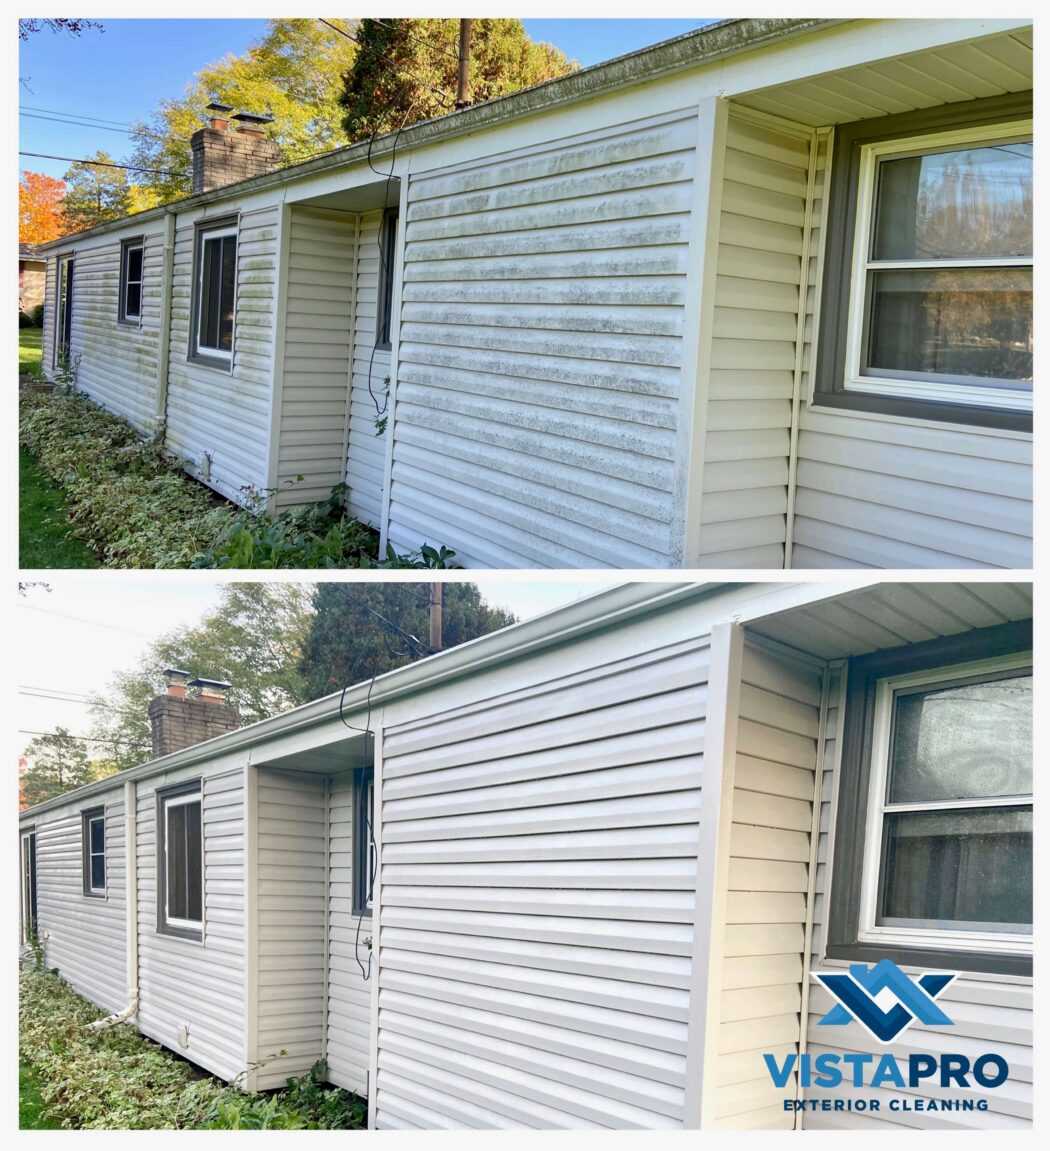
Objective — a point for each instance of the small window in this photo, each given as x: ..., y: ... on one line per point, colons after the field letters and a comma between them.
x: 216, y: 287
x: 94, y: 851
x: 180, y: 862
x: 131, y: 281
x: 364, y: 841
x: 64, y: 312
x: 387, y: 253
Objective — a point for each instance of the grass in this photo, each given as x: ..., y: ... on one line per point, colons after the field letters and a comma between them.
x: 30, y: 351
x: 45, y: 538
x: 32, y: 1111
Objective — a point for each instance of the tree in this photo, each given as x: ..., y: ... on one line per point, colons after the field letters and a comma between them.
x: 95, y: 193
x: 55, y: 763
x: 348, y: 642
x: 406, y: 70
x: 40, y: 208
x: 295, y: 72
x: 26, y: 27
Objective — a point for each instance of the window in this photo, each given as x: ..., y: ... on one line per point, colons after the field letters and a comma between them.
x: 387, y: 252
x: 94, y: 851
x: 941, y: 823
x: 28, y: 886
x: 180, y: 862
x: 63, y: 312
x: 131, y: 281
x: 927, y: 299
x: 216, y: 286
x: 364, y: 841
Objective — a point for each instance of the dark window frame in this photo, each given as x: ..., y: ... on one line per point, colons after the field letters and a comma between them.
x: 130, y: 319
x: 207, y: 357
x: 87, y: 817
x: 364, y: 783
x: 63, y: 335
x: 195, y: 935
x: 28, y: 882
x: 854, y: 777
x: 829, y: 389
x: 385, y: 287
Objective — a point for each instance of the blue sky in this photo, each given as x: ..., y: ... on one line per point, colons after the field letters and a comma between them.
x: 121, y: 74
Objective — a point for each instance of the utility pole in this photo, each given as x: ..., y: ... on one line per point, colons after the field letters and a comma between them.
x: 436, y: 604
x: 462, y: 95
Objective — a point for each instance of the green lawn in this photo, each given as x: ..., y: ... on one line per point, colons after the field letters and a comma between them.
x: 44, y: 536
x: 32, y: 1114
x: 30, y: 350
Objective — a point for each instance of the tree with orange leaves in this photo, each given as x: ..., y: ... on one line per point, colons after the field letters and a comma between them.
x: 40, y: 216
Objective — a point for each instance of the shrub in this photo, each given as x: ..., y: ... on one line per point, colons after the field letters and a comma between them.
x: 119, y: 1080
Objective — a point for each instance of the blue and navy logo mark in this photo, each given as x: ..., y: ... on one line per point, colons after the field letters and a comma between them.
x: 865, y: 995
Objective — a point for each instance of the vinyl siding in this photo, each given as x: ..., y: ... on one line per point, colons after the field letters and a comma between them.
x: 316, y: 355
x: 349, y: 993
x: 538, y: 891
x: 988, y: 1015
x: 213, y: 414
x: 762, y: 960
x: 539, y: 368
x: 291, y: 876
x: 50, y: 308
x: 753, y: 361
x: 197, y: 985
x: 83, y: 936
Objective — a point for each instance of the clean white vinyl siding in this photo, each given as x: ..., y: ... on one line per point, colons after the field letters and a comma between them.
x: 539, y: 855
x: 540, y: 353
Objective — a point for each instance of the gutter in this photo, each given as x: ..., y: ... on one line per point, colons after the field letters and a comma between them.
x: 164, y: 335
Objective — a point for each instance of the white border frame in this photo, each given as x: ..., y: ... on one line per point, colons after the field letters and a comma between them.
x: 997, y: 397
x: 999, y: 943
x: 131, y: 319
x: 182, y: 800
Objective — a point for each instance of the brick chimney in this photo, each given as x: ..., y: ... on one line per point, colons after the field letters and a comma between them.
x: 224, y: 153
x: 190, y: 711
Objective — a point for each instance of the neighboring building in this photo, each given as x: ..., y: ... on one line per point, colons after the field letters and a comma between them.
x: 579, y: 872
x: 32, y: 271
x: 759, y: 296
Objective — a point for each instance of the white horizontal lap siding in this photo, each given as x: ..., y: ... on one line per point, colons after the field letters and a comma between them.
x: 371, y: 382
x: 317, y: 340
x: 48, y: 329
x: 117, y: 364
x: 291, y: 935
x: 757, y: 298
x: 83, y: 936
x: 198, y: 986
x: 988, y: 1015
x: 349, y: 994
x: 762, y: 966
x: 539, y: 363
x: 213, y: 413
x: 539, y: 858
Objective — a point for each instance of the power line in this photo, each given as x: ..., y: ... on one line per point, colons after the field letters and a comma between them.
x: 132, y: 130
x: 90, y: 622
x: 412, y: 36
x: 82, y: 738
x: 83, y: 116
x: 103, y: 164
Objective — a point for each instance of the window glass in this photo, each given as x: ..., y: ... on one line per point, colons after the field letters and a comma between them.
x: 183, y: 861
x: 135, y: 264
x: 387, y: 251
x: 218, y: 282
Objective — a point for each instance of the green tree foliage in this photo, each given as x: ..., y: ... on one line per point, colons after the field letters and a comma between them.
x: 349, y: 643
x: 295, y: 72
x: 94, y: 194
x: 406, y: 70
x: 57, y: 762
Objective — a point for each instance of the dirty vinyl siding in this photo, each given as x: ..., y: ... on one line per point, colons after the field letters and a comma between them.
x: 218, y: 420
x: 764, y: 942
x: 83, y: 936
x: 318, y: 311
x: 539, y: 365
x: 371, y: 383
x: 47, y: 358
x: 349, y: 994
x: 987, y: 1015
x: 291, y: 875
x: 757, y: 300
x: 183, y: 983
x: 539, y: 855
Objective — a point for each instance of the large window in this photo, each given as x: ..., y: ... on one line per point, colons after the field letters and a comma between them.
x: 387, y: 253
x: 215, y: 295
x: 131, y: 281
x: 93, y: 824
x: 364, y: 841
x: 180, y: 862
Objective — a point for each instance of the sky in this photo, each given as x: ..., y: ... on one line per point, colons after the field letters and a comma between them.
x: 122, y: 73
x: 76, y: 636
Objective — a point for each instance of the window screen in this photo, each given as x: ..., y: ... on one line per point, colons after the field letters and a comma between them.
x: 217, y: 279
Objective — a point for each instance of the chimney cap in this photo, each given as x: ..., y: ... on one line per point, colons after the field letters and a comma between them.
x: 252, y: 117
x: 200, y: 681
x: 218, y: 106
x: 170, y: 673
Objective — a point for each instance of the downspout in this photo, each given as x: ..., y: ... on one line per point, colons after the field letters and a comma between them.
x: 131, y: 898
x: 164, y: 336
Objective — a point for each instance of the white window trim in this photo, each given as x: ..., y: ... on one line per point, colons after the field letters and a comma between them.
x: 27, y: 888
x: 126, y: 280
x: 205, y: 350
x: 182, y: 801
x: 988, y: 395
x: 370, y: 861
x: 91, y: 819
x: 1005, y: 943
